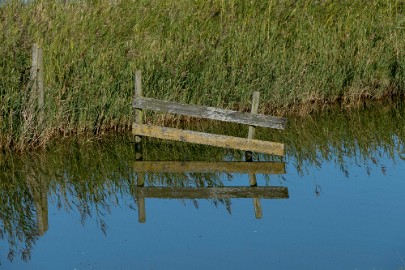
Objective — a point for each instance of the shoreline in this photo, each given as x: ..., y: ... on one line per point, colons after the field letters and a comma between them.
x: 312, y: 111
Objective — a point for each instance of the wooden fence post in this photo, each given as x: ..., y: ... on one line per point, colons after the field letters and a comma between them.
x: 37, y: 81
x: 141, y: 199
x: 40, y: 82
x: 254, y: 110
x: 34, y: 68
x: 138, y: 114
x: 41, y: 206
x: 249, y: 155
x: 138, y: 94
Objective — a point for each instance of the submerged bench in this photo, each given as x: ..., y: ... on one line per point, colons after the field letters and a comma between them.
x: 247, y: 144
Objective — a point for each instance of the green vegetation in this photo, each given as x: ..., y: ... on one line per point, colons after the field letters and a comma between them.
x: 301, y: 55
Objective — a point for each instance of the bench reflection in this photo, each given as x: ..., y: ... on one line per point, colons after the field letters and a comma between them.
x: 142, y: 168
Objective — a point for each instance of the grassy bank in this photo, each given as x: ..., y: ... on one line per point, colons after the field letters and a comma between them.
x: 300, y: 55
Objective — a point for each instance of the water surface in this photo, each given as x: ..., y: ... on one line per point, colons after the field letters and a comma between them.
x: 77, y: 204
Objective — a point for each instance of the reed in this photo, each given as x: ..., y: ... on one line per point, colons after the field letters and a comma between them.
x: 301, y: 55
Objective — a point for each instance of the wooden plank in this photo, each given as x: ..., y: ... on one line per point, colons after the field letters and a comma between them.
x: 211, y: 192
x: 210, y: 113
x: 205, y: 167
x: 166, y: 133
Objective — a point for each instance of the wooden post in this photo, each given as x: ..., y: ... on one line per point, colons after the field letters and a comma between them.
x: 138, y: 94
x: 249, y: 155
x: 254, y: 110
x: 40, y: 84
x: 140, y: 182
x: 258, y: 208
x: 138, y: 114
x: 256, y: 201
x: 141, y: 199
x: 141, y: 210
x: 37, y: 81
x: 34, y: 68
x: 41, y: 206
x: 138, y: 151
x: 38, y: 189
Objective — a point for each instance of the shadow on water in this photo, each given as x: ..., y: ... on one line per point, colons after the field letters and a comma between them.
x: 90, y: 177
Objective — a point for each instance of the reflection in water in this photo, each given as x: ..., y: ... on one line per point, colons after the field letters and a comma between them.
x: 90, y: 176
x: 205, y: 192
x: 88, y: 180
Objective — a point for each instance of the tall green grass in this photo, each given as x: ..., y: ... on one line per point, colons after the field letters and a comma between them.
x: 301, y: 55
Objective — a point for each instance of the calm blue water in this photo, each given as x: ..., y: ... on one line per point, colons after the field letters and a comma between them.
x: 331, y: 220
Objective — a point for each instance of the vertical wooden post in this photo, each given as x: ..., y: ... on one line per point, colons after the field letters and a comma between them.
x: 37, y: 81
x: 254, y: 110
x: 256, y: 201
x: 141, y: 200
x: 34, y: 68
x: 33, y: 79
x: 38, y: 189
x: 138, y: 94
x: 138, y: 114
x: 40, y: 84
x: 41, y: 205
x: 249, y: 155
x: 258, y: 208
x: 141, y: 210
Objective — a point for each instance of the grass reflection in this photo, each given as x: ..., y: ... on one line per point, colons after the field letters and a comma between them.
x: 90, y: 177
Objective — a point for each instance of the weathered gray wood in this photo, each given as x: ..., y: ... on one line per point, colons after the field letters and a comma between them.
x: 138, y: 95
x: 212, y: 193
x: 205, y: 167
x: 166, y: 133
x: 40, y: 82
x: 254, y: 110
x: 34, y: 68
x: 251, y: 134
x: 36, y: 84
x: 249, y: 156
x: 210, y: 113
